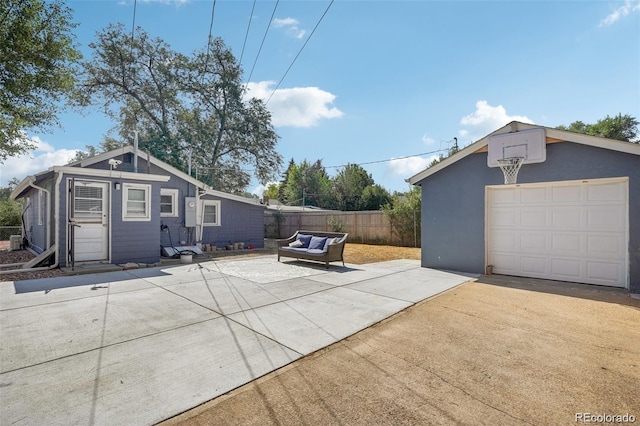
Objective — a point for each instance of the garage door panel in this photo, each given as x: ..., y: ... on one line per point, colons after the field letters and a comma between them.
x: 563, y: 243
x: 567, y: 217
x: 608, y: 246
x: 504, y: 217
x: 566, y: 231
x: 508, y: 196
x: 566, y: 194
x: 534, y: 217
x: 534, y: 266
x: 533, y: 195
x: 568, y: 269
x: 533, y: 242
x: 504, y: 241
x: 604, y: 273
x: 606, y: 192
x: 603, y: 219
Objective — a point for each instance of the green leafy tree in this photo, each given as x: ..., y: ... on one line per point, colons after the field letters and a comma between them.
x: 404, y: 214
x: 182, y: 106
x: 285, y: 179
x: 37, y: 69
x: 349, y: 185
x: 620, y: 127
x: 374, y: 197
x: 308, y: 183
x: 10, y: 211
x: 272, y: 191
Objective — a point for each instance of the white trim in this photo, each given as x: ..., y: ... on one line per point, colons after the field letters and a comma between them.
x: 126, y: 186
x: 173, y: 193
x: 217, y: 204
x: 110, y: 174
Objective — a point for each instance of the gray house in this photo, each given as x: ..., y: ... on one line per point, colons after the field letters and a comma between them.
x: 573, y: 215
x: 124, y: 206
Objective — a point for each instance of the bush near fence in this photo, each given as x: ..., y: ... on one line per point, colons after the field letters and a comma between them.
x: 7, y: 231
x: 364, y: 227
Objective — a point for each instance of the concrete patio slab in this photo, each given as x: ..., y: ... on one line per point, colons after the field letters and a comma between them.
x: 322, y: 318
x: 55, y: 330
x: 141, y: 381
x: 142, y: 345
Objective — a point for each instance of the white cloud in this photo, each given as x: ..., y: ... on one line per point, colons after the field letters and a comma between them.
x: 43, y: 157
x: 295, y: 107
x: 428, y: 141
x: 409, y: 166
x: 625, y: 10
x: 290, y: 26
x: 487, y: 118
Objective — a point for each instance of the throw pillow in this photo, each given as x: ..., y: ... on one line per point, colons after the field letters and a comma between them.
x: 296, y: 243
x: 317, y: 243
x: 329, y: 241
x: 305, y: 239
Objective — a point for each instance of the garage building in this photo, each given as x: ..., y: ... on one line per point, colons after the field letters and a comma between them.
x: 573, y: 215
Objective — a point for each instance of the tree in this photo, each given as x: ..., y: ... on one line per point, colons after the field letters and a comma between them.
x: 285, y: 180
x: 620, y: 127
x: 308, y: 184
x: 348, y: 186
x: 272, y: 191
x: 37, y: 69
x: 182, y: 106
x: 374, y: 197
x: 404, y: 214
x: 10, y: 211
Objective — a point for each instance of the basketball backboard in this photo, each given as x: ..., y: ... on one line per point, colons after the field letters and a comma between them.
x: 529, y: 144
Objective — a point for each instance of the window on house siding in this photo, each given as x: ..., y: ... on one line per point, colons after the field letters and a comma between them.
x: 40, y: 206
x: 136, y: 202
x: 211, y: 213
x: 169, y: 202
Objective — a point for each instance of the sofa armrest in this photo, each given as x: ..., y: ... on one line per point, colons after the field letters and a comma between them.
x: 285, y: 241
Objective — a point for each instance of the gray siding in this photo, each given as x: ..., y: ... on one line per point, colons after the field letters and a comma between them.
x: 36, y: 218
x: 453, y: 202
x: 240, y: 223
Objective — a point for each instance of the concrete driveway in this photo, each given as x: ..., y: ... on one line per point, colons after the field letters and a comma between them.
x: 140, y: 346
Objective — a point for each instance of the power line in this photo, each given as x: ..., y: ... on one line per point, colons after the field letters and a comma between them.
x: 299, y: 52
x: 262, y: 43
x: 387, y: 160
x: 246, y: 35
x: 213, y: 13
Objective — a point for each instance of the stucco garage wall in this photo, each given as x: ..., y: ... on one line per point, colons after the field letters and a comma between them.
x: 453, y: 201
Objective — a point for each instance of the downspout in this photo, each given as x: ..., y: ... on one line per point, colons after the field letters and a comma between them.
x: 135, y: 151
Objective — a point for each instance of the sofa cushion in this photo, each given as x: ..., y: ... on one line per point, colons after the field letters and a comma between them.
x: 330, y: 241
x: 305, y: 239
x: 296, y: 243
x: 317, y: 243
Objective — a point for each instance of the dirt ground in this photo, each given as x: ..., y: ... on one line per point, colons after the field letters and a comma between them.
x: 498, y: 351
x: 354, y: 253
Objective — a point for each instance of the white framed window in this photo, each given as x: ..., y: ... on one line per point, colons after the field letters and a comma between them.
x: 210, y: 213
x: 136, y: 202
x: 168, y: 202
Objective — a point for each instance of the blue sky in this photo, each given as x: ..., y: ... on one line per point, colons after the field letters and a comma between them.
x: 388, y: 80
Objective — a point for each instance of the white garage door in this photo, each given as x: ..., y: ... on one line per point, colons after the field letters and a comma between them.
x: 568, y: 231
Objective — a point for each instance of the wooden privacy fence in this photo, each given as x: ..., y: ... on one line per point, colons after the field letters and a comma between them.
x: 365, y: 227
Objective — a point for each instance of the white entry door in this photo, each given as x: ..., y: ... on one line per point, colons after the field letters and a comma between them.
x: 568, y: 231
x: 90, y: 211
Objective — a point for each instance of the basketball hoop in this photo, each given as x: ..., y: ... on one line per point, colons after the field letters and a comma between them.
x: 510, y: 167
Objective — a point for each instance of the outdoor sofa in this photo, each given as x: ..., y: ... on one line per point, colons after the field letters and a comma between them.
x: 314, y: 245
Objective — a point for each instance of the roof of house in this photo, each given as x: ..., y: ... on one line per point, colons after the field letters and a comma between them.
x: 552, y: 136
x: 73, y: 168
